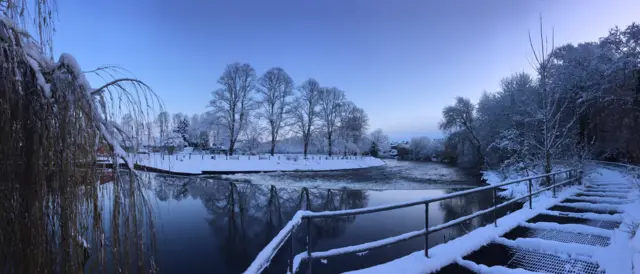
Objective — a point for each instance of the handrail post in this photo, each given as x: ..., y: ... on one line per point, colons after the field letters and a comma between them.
x: 530, y: 196
x: 495, y: 202
x: 553, y: 182
x: 426, y: 229
x: 292, y: 251
x: 309, y: 237
x: 580, y: 177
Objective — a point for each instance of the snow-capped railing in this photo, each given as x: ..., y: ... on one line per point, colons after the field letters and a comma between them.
x: 263, y: 259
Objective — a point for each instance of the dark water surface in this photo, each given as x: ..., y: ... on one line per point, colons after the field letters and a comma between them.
x: 218, y: 225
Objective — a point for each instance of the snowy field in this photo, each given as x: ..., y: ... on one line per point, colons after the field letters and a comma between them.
x: 196, y: 163
x: 622, y: 256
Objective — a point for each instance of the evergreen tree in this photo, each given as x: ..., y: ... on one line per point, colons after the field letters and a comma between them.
x: 374, y: 149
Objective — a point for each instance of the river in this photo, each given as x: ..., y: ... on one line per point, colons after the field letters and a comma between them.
x: 219, y: 224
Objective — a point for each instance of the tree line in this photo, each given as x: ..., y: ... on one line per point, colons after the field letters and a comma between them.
x: 582, y: 101
x: 254, y: 110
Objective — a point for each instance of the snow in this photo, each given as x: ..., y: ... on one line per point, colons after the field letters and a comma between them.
x: 196, y: 163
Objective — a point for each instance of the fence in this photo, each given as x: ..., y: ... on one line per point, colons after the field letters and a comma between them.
x: 263, y: 259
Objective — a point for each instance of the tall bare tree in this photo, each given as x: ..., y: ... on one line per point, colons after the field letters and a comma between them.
x: 354, y: 123
x: 331, y: 101
x: 275, y: 88
x: 304, y: 111
x: 163, y: 124
x: 234, y: 100
x: 553, y: 129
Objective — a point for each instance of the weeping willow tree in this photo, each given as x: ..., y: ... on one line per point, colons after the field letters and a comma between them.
x: 55, y: 217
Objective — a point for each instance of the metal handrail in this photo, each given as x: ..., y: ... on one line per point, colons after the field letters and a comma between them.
x: 263, y: 259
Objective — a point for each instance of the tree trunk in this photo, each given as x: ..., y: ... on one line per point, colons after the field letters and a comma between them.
x: 231, y: 147
x: 330, y: 146
x: 273, y: 146
x: 306, y: 147
x: 547, y: 167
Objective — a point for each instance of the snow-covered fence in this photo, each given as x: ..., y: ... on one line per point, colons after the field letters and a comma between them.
x: 263, y: 259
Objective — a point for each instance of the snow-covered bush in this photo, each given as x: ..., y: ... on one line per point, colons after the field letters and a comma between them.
x: 174, y: 141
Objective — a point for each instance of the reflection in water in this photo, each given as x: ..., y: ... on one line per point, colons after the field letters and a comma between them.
x: 212, y: 225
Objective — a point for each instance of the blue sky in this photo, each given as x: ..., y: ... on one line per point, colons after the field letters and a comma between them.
x: 402, y: 61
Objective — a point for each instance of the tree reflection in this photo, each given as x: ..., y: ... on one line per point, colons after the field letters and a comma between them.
x: 465, y: 205
x: 245, y: 217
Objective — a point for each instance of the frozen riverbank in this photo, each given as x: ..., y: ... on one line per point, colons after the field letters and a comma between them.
x: 220, y: 164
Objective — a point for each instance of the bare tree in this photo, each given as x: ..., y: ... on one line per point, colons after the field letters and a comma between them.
x: 380, y: 139
x: 252, y: 137
x: 233, y: 102
x: 331, y: 101
x: 304, y: 111
x: 354, y: 123
x: 552, y: 131
x: 460, y: 116
x: 275, y: 87
x: 163, y: 124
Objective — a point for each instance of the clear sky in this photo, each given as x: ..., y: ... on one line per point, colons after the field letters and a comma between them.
x: 402, y: 61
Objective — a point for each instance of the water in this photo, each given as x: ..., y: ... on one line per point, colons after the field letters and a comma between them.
x: 218, y: 225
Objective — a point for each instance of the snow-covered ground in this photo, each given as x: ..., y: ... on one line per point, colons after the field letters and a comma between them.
x: 196, y: 163
x: 622, y: 256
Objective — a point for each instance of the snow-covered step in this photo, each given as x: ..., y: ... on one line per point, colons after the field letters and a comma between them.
x: 607, y: 190
x: 601, y: 194
x: 603, y: 200
x: 606, y: 221
x: 577, y: 228
x: 609, y: 184
x: 605, y: 208
x: 552, y: 247
x: 558, y: 235
x: 610, y: 187
x: 492, y: 258
x: 591, y: 216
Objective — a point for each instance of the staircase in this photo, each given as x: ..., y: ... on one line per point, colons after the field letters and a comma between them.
x: 562, y: 239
